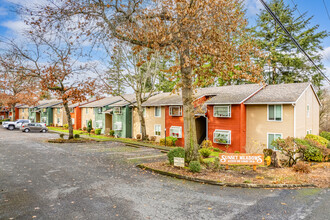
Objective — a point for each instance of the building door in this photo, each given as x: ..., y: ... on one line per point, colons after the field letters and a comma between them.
x: 37, y: 117
x: 201, y: 129
x: 108, y: 123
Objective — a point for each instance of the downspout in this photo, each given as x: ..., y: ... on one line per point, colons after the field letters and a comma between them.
x: 294, y: 126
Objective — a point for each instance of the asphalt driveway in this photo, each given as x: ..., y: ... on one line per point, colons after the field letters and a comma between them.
x: 39, y: 180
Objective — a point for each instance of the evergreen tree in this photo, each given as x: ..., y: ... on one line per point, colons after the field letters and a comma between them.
x: 284, y: 63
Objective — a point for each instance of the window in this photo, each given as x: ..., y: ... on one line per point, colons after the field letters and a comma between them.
x: 307, y: 111
x: 86, y: 112
x: 158, y: 111
x: 272, y: 137
x: 58, y: 120
x: 117, y: 110
x: 222, y: 137
x: 72, y: 119
x: 176, y: 131
x: 44, y: 110
x: 23, y: 110
x: 118, y: 126
x: 2, y: 117
x: 144, y: 112
x: 158, y: 130
x: 274, y: 112
x: 58, y: 110
x: 72, y: 110
x: 99, y: 110
x: 309, y: 131
x: 99, y: 124
x: 223, y: 111
x: 175, y: 110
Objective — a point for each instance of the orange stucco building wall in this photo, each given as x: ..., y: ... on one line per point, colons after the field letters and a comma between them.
x: 236, y: 124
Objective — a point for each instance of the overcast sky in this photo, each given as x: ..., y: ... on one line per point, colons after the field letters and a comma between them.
x: 11, y: 25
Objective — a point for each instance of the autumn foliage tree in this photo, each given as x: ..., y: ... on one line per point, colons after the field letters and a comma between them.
x: 199, y: 32
x: 16, y: 88
x: 52, y: 58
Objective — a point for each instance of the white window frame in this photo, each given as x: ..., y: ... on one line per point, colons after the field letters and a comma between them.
x: 144, y: 111
x: 228, y: 110
x: 117, y: 110
x: 275, y: 113
x: 118, y: 126
x: 176, y: 106
x: 71, y: 110
x: 58, y: 120
x: 224, y: 132
x: 307, y: 110
x: 176, y: 127
x: 44, y: 110
x: 268, y: 133
x: 160, y: 130
x: 72, y: 120
x: 99, y: 110
x: 160, y: 111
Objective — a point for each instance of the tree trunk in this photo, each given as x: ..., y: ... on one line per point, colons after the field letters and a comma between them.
x: 68, y: 115
x: 13, y: 113
x: 141, y: 117
x: 190, y: 137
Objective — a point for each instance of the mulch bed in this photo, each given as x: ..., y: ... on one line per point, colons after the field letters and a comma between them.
x: 75, y: 140
x: 319, y: 175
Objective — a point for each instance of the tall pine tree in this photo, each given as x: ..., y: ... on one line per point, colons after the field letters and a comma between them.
x: 284, y: 63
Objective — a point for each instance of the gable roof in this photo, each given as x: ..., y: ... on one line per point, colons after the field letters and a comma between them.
x: 102, y: 102
x: 235, y: 94
x: 52, y: 104
x: 82, y: 103
x: 129, y: 97
x: 222, y: 95
x: 280, y: 93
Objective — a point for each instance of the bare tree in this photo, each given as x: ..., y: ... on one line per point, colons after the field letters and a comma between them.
x: 137, y: 71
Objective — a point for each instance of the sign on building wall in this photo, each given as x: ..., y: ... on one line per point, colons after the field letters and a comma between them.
x: 242, y: 159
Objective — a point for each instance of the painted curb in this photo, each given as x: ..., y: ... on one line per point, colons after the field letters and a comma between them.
x: 212, y: 182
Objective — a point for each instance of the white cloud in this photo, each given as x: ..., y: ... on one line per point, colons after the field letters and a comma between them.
x: 3, y: 11
x: 15, y: 26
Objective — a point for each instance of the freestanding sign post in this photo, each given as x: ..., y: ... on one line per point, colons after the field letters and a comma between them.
x: 241, y: 159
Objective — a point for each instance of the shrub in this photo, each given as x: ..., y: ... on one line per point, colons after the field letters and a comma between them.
x: 206, y: 144
x: 66, y: 126
x: 236, y: 152
x: 98, y: 131
x: 89, y: 126
x: 290, y: 149
x: 216, y: 164
x: 325, y: 135
x: 80, y: 129
x: 173, y: 140
x: 194, y: 166
x: 138, y: 136
x: 176, y: 152
x: 268, y: 160
x: 302, y: 167
x: 205, y: 152
x: 216, y: 149
x: 51, y: 124
x: 153, y: 138
x: 76, y: 136
x: 84, y: 128
x: 168, y: 142
x: 267, y: 152
x: 321, y: 140
x: 111, y: 132
x: 313, y: 154
x: 62, y: 136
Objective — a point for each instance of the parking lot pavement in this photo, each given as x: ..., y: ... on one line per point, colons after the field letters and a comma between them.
x: 40, y: 180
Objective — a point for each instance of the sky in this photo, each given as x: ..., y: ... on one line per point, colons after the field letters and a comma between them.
x: 11, y: 25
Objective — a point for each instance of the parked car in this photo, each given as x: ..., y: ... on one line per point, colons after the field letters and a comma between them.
x: 11, y: 125
x: 40, y: 127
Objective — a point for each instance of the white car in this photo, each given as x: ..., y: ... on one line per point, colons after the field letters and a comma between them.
x: 11, y: 125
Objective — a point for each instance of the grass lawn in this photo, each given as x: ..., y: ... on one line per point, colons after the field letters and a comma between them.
x: 107, y: 138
